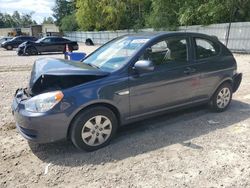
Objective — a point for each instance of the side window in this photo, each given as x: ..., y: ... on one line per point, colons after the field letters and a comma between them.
x: 159, y: 47
x: 63, y: 40
x: 57, y: 40
x: 53, y: 40
x: 47, y: 40
x: 205, y: 48
x: 19, y: 39
x: 171, y: 51
x: 27, y: 38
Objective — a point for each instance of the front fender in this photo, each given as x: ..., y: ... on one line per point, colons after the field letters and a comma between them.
x: 27, y: 46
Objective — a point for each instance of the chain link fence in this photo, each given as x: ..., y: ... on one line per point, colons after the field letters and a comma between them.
x: 235, y: 35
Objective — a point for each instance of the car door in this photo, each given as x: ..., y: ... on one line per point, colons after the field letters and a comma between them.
x: 46, y: 45
x: 210, y: 64
x: 57, y: 43
x: 173, y: 82
x: 17, y: 42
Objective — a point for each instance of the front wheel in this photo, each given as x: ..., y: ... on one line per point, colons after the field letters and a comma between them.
x: 31, y: 51
x: 93, y: 128
x: 222, y: 98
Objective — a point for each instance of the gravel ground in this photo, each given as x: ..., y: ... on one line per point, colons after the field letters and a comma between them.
x: 190, y: 148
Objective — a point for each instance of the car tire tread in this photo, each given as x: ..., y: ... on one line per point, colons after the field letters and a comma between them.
x: 213, y: 102
x: 85, y: 115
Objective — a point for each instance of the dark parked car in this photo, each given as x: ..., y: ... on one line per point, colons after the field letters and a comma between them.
x: 46, y: 44
x: 16, y: 41
x: 128, y: 79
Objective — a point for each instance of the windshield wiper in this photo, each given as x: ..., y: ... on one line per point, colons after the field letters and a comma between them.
x: 92, y: 65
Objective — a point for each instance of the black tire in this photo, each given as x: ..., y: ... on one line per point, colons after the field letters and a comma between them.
x: 19, y: 53
x: 89, y: 115
x: 9, y: 47
x: 31, y: 51
x: 218, y: 103
x: 89, y: 42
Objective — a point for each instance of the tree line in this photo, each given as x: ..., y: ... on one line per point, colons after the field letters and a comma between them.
x: 17, y: 20
x: 97, y: 15
x: 90, y: 15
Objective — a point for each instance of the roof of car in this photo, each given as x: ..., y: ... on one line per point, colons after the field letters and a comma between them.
x: 53, y: 37
x: 24, y: 36
x: 170, y: 33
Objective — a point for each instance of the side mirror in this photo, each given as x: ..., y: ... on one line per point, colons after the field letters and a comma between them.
x: 144, y: 66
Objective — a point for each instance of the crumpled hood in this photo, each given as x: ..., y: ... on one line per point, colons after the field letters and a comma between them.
x: 61, y: 68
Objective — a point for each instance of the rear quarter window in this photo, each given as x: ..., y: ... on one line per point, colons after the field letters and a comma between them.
x: 60, y: 40
x: 205, y: 48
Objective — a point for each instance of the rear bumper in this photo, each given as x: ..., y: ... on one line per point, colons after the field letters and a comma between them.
x: 237, y: 78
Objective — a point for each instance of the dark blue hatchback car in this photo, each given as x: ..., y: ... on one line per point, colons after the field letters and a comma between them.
x: 125, y: 80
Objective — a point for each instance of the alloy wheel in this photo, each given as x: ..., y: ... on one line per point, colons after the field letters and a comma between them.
x: 96, y: 130
x: 223, y: 98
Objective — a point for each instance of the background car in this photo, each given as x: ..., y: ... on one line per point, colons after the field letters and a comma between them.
x: 3, y: 39
x: 46, y: 44
x: 16, y: 41
x: 128, y: 79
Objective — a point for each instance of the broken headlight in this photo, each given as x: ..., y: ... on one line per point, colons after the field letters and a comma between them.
x: 43, y: 102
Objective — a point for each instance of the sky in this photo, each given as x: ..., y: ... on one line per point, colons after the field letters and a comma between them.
x: 41, y: 8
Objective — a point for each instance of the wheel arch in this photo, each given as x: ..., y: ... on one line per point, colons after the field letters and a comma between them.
x: 226, y: 80
x: 102, y: 104
x: 11, y: 45
x: 30, y: 46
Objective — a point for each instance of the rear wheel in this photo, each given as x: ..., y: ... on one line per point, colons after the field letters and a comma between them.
x: 93, y: 128
x: 222, y: 98
x: 31, y: 51
x: 9, y: 47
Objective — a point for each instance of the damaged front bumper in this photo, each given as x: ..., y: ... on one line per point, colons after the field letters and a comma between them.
x: 20, y: 51
x: 38, y: 127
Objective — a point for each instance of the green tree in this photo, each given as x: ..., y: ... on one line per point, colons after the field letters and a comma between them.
x: 112, y: 14
x: 26, y: 20
x: 68, y: 23
x: 170, y: 14
x: 63, y: 8
x: 164, y: 14
x: 16, y: 20
x: 88, y: 15
x: 2, y: 23
x: 136, y: 14
x: 48, y: 20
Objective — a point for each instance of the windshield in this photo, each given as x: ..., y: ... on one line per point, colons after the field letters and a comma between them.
x: 14, y: 38
x: 39, y: 40
x: 115, y: 54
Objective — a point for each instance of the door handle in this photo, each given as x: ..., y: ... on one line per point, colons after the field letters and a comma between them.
x: 189, y: 70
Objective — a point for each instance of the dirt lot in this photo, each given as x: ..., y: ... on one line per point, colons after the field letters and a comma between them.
x: 191, y: 148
